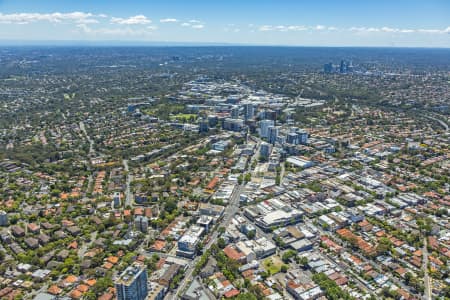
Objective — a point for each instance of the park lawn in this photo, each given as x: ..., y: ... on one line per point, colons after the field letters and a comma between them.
x: 69, y: 96
x: 273, y: 264
x: 183, y: 117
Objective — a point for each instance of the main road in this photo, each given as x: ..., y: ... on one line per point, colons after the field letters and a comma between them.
x: 128, y: 193
x: 427, y: 280
x: 229, y: 212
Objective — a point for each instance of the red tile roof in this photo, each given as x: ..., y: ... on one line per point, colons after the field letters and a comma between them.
x: 231, y: 293
x: 232, y: 253
x: 212, y: 184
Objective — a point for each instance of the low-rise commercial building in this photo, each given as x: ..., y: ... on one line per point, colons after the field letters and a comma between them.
x: 187, y: 244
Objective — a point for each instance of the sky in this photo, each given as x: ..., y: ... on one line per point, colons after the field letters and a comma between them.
x: 367, y: 23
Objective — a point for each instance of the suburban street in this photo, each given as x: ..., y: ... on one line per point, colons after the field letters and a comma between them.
x: 91, y: 153
x: 91, y: 142
x: 345, y: 266
x: 426, y: 279
x: 442, y: 123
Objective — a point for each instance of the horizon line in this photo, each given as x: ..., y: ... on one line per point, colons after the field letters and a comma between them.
x: 121, y: 43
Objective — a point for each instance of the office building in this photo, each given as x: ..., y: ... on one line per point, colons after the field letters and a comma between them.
x: 279, y: 218
x: 291, y: 138
x: 3, y: 218
x: 187, y: 244
x: 265, y: 150
x: 281, y: 139
x: 156, y: 291
x: 233, y: 124
x: 213, y: 120
x: 116, y: 199
x: 269, y: 115
x: 303, y: 136
x: 297, y: 136
x: 249, y: 111
x: 141, y: 224
x: 264, y: 127
x: 205, y: 222
x: 211, y: 209
x: 203, y: 126
x: 342, y: 67
x: 273, y: 134
x: 349, y: 67
x: 220, y: 145
x: 132, y: 283
x: 328, y: 68
x: 235, y: 112
x: 256, y: 249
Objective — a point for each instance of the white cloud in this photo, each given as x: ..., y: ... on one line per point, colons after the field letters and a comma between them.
x: 87, y: 21
x: 297, y: 28
x: 195, y: 24
x: 285, y: 28
x: 384, y: 29
x: 134, y: 20
x: 168, y: 20
x: 320, y: 27
x: 56, y: 17
x: 121, y: 31
x: 265, y: 28
x: 364, y: 29
x: 388, y: 29
x: 431, y: 31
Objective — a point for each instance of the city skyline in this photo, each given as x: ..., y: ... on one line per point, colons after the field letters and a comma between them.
x: 284, y: 23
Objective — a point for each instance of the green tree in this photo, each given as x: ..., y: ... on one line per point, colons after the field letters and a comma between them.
x: 247, y: 177
x: 102, y: 284
x: 221, y: 243
x: 240, y: 179
x: 90, y: 295
x: 246, y: 296
x: 251, y: 234
x: 170, y: 206
x: 286, y: 257
x: 303, y: 261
